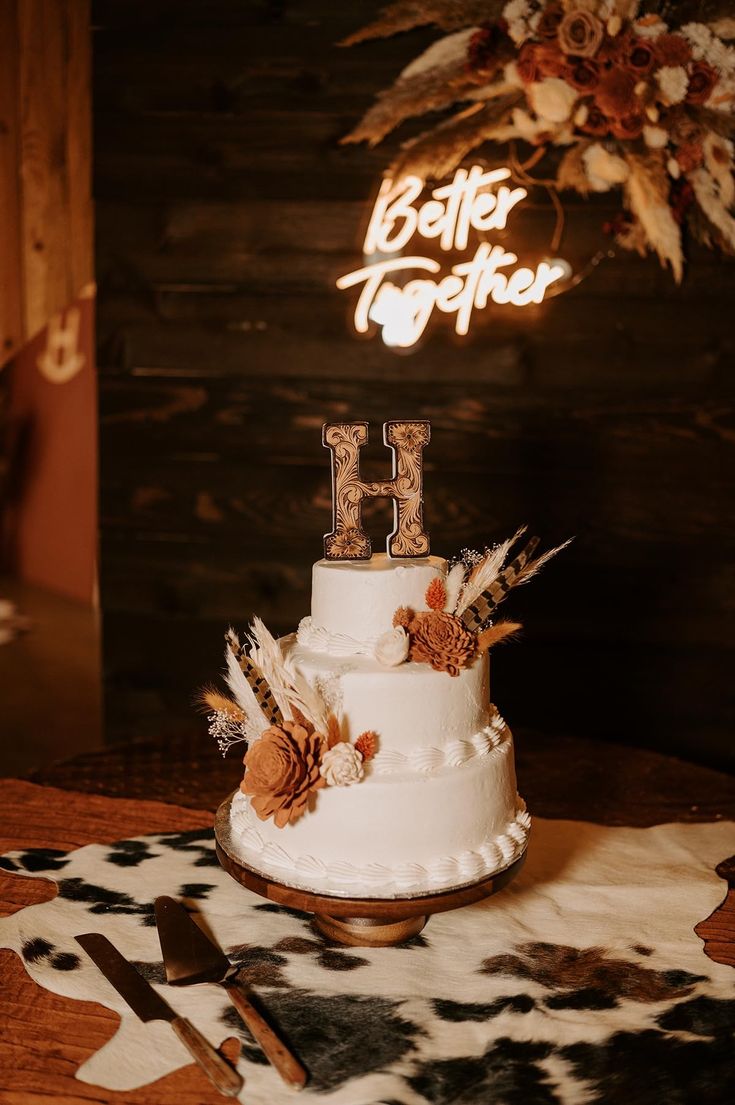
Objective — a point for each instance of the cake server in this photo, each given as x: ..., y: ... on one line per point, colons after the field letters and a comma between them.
x: 189, y: 956
x: 147, y: 1004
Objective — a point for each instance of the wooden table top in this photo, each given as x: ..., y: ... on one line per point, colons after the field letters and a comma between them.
x: 558, y: 776
x: 46, y: 1036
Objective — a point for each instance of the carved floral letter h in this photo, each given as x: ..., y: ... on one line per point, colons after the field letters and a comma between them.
x: 406, y: 440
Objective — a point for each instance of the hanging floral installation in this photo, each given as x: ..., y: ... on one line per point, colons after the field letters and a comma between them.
x: 635, y: 99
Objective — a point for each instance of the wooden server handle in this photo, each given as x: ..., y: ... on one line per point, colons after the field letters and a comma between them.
x: 287, y: 1065
x: 216, y: 1068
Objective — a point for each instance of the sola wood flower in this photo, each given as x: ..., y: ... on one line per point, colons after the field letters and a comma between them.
x: 282, y: 771
x: 341, y: 766
x: 391, y: 649
x: 441, y: 640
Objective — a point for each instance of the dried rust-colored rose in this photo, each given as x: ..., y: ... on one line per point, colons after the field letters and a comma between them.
x: 613, y: 50
x: 671, y: 50
x: 690, y: 155
x: 639, y: 57
x: 628, y: 126
x: 702, y: 81
x: 551, y: 17
x: 282, y: 770
x: 488, y: 49
x: 584, y: 75
x: 596, y: 123
x: 549, y: 60
x: 527, y: 64
x: 615, y: 95
x: 441, y: 640
x: 581, y: 34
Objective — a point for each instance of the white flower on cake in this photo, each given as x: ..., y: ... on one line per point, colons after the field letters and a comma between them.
x: 392, y: 648
x: 341, y: 765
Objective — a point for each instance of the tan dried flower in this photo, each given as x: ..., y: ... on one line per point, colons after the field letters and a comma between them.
x: 580, y: 33
x: 436, y: 594
x: 441, y: 640
x: 403, y: 616
x: 282, y: 770
x: 334, y: 731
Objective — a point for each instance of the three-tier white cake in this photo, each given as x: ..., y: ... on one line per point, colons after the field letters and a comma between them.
x: 436, y: 806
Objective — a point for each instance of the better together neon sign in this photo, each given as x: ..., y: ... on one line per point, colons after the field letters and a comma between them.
x: 474, y: 200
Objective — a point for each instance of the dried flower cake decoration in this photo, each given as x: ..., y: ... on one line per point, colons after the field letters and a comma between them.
x: 295, y: 742
x: 459, y: 622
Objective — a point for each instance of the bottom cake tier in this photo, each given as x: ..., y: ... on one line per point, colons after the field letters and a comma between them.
x: 398, y: 833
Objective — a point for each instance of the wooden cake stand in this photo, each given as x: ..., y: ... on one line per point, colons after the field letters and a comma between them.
x: 361, y: 922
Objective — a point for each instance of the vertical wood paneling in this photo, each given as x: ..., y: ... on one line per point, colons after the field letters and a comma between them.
x: 11, y: 302
x: 226, y: 208
x: 79, y: 145
x: 44, y: 215
x: 45, y: 194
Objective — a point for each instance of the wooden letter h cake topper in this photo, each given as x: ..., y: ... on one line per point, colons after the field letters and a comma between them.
x: 406, y: 440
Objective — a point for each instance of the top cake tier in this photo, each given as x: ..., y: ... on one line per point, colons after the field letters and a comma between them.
x: 357, y: 599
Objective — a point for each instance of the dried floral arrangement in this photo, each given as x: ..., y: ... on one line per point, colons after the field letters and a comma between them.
x: 294, y: 736
x: 636, y: 98
x: 459, y: 625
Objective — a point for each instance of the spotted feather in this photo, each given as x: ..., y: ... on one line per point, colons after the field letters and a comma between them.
x: 259, y: 685
x: 478, y: 612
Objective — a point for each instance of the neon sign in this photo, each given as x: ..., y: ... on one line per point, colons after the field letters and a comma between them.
x: 474, y: 200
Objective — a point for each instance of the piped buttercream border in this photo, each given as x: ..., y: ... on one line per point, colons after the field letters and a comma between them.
x: 316, y: 638
x: 344, y: 878
x: 427, y: 759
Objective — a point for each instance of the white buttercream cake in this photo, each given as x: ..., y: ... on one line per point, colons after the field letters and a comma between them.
x: 436, y: 806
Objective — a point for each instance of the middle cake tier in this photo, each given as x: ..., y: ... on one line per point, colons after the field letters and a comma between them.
x: 410, y: 707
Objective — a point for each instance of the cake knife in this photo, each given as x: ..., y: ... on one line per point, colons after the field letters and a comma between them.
x: 189, y: 956
x: 147, y: 1004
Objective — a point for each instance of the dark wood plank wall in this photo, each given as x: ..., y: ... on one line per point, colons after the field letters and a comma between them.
x: 225, y: 210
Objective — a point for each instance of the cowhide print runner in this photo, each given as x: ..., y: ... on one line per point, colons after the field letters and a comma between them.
x: 582, y: 982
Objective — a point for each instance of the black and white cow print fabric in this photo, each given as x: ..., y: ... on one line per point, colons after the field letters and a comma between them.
x: 582, y: 983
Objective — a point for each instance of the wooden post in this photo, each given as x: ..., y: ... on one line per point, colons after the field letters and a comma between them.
x: 45, y: 141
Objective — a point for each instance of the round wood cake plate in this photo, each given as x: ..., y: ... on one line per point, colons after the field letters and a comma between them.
x: 360, y: 922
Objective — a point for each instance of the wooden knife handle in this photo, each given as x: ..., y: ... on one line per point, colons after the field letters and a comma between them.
x: 274, y: 1049
x: 216, y: 1068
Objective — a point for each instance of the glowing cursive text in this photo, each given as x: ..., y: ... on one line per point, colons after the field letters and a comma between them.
x: 474, y: 200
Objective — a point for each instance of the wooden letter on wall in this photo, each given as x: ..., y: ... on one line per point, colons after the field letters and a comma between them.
x: 348, y: 540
